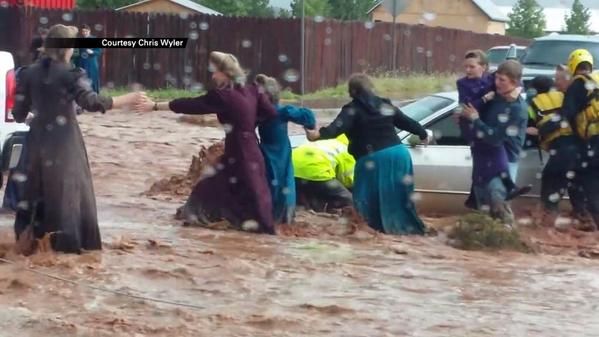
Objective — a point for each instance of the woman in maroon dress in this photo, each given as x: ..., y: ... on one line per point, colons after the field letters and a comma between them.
x: 236, y: 190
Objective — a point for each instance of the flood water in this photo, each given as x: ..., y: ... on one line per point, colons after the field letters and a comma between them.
x: 239, y: 284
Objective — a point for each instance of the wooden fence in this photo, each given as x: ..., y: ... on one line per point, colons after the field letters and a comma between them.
x: 334, y: 49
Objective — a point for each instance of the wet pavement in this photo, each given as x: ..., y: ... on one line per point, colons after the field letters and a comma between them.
x: 237, y: 284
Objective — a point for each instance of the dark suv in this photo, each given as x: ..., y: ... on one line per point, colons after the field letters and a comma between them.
x: 545, y: 53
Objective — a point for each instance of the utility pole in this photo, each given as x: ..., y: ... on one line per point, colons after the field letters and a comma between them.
x: 303, y: 54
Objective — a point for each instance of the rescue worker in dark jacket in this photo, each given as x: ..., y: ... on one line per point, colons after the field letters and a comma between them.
x: 581, y: 111
x: 560, y: 172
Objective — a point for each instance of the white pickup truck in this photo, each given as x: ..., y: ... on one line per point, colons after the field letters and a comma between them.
x: 12, y: 134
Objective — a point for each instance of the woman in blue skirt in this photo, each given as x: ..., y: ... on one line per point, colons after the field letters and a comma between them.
x: 383, y: 178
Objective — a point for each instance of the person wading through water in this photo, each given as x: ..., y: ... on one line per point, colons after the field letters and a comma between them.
x: 236, y: 190
x: 59, y: 205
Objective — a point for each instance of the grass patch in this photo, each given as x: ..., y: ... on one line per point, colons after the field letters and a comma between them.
x: 478, y: 231
x: 399, y: 86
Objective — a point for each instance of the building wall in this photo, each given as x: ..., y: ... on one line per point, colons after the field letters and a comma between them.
x: 161, y: 6
x: 458, y: 14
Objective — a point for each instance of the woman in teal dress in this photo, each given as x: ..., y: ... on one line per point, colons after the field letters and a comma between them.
x: 275, y: 145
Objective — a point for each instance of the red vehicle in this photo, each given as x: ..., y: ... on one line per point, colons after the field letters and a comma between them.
x: 56, y: 4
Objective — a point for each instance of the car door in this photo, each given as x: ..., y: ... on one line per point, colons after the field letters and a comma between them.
x: 443, y: 169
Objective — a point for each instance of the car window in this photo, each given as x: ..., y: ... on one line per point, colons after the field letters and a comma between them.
x: 447, y: 132
x: 426, y: 106
x: 496, y: 56
x: 552, y: 53
x: 520, y: 53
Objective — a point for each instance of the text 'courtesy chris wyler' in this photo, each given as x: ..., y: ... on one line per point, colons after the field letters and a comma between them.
x: 116, y: 42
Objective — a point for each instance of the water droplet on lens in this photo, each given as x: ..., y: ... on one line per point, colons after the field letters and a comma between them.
x: 227, y: 127
x: 368, y: 24
x: 369, y: 165
x: 503, y: 118
x: 415, y: 197
x: 249, y: 226
x: 67, y: 17
x: 196, y: 87
x: 327, y: 41
x: 61, y: 120
x: 4, y: 4
x: 291, y: 75
x: 193, y: 25
x: 419, y: 50
x: 512, y: 131
x: 283, y: 58
x: 318, y: 18
x: 570, y: 174
x: 429, y: 53
x: 204, y: 26
x: 246, y: 43
x: 428, y: 16
x: 98, y: 27
x: 19, y: 177
x: 184, y: 15
x: 157, y: 66
x: 555, y: 197
x: 387, y: 37
x: 147, y: 66
x: 194, y: 35
x: 43, y: 20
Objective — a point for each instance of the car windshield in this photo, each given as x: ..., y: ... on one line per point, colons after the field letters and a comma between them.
x: 426, y: 106
x: 496, y: 56
x: 552, y: 53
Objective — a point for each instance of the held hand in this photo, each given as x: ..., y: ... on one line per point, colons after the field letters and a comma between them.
x: 144, y: 103
x: 532, y: 131
x: 489, y: 96
x: 470, y: 112
x: 312, y: 135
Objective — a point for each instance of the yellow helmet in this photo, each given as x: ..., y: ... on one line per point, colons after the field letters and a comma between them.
x: 577, y: 57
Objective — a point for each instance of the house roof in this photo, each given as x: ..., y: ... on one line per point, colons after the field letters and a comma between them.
x: 591, y: 4
x: 487, y: 6
x: 194, y: 6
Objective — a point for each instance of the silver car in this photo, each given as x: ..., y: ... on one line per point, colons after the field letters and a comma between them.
x: 443, y: 169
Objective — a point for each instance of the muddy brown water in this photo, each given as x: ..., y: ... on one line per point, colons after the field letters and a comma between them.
x: 254, y: 285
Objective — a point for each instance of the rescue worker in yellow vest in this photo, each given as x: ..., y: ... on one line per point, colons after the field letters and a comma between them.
x: 324, y: 173
x: 560, y: 172
x: 581, y: 111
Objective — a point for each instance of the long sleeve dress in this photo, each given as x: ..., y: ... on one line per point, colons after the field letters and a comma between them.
x: 237, y: 190
x: 275, y: 145
x: 59, y: 195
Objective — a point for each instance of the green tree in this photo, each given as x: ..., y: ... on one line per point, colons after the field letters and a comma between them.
x: 526, y: 20
x: 240, y: 8
x: 578, y: 22
x: 313, y: 8
x: 93, y: 4
x: 351, y: 9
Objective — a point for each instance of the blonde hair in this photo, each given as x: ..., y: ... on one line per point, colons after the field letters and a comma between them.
x: 59, y: 32
x: 479, y: 55
x: 360, y: 84
x: 271, y: 86
x: 228, y: 64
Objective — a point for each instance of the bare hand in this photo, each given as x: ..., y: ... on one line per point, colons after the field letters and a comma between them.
x: 532, y: 131
x: 470, y: 112
x: 144, y: 103
x: 312, y: 135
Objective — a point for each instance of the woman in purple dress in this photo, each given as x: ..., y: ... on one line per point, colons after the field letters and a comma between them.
x: 236, y: 190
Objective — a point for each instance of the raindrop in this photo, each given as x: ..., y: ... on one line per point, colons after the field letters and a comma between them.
x: 428, y: 16
x: 204, y: 25
x: 227, y: 127
x: 562, y: 222
x: 327, y: 41
x: 525, y: 221
x: 318, y: 18
x: 480, y: 135
x: 98, y: 27
x: 208, y: 171
x: 196, y: 87
x: 283, y: 58
x: 585, y: 164
x: 194, y: 35
x: 285, y: 190
x: 254, y: 166
x: 291, y: 75
x: 554, y: 197
x: 552, y: 152
x: 556, y: 118
x: 570, y: 174
x: 193, y: 25
x: 438, y: 38
x: 485, y: 208
x: 503, y: 118
x: 24, y: 205
x: 408, y: 180
x: 4, y: 4
x: 43, y: 20
x: 48, y: 163
x: 512, y: 131
x: 231, y: 160
x: 249, y: 225
x: 274, y: 182
x: 188, y: 69
x: 233, y: 180
x: 343, y: 221
x: 329, y: 30
x: 429, y: 53
x: 591, y: 153
x: 590, y: 86
x: 156, y: 66
x: 416, y: 197
x: 184, y: 15
x: 110, y: 85
x: 19, y: 177
x: 539, y: 175
x: 246, y: 43
x: 67, y: 17
x: 523, y: 154
x: 339, y: 123
x: 368, y: 24
x: 19, y: 98
x: 531, y: 92
x: 419, y: 50
x: 61, y: 120
x: 564, y: 124
x: 407, y: 32
x: 49, y: 127
x: 369, y: 165
x: 387, y: 37
x: 452, y: 58
x: 147, y: 66
x: 387, y: 110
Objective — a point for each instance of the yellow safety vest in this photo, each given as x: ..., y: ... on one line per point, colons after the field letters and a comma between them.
x: 324, y: 160
x: 543, y: 109
x: 587, y: 120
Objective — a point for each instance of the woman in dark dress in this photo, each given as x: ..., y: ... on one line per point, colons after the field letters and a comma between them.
x: 237, y: 190
x: 59, y: 202
x: 383, y: 176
